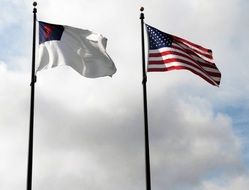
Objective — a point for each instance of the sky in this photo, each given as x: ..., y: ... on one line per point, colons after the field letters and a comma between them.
x: 89, y: 133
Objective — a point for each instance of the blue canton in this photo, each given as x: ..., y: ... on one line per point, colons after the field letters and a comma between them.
x: 48, y: 32
x: 158, y: 39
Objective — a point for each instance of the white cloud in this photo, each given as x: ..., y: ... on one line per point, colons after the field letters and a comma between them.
x: 191, y: 142
x: 79, y: 144
x: 14, y: 127
x: 89, y: 133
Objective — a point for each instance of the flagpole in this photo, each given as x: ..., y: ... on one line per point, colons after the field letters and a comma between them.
x: 32, y: 99
x: 146, y: 128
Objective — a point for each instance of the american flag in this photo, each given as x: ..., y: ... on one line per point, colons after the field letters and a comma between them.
x: 168, y: 52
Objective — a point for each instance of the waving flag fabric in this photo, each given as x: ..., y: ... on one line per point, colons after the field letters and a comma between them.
x: 80, y: 49
x: 168, y: 52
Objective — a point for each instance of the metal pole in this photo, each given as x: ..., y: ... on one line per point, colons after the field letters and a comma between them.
x: 146, y: 130
x: 32, y: 99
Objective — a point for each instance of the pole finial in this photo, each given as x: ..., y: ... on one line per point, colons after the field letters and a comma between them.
x: 142, y: 14
x: 34, y: 3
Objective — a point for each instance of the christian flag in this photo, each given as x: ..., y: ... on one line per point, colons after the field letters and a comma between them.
x: 168, y: 52
x: 80, y: 49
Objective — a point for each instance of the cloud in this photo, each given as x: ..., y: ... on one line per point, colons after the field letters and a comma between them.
x: 15, y: 25
x: 93, y: 142
x: 89, y: 133
x: 13, y: 126
x: 191, y: 142
x: 239, y: 183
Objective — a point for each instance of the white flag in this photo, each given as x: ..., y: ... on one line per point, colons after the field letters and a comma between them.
x: 80, y: 49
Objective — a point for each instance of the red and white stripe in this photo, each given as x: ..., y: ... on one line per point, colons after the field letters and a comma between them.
x: 185, y: 55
